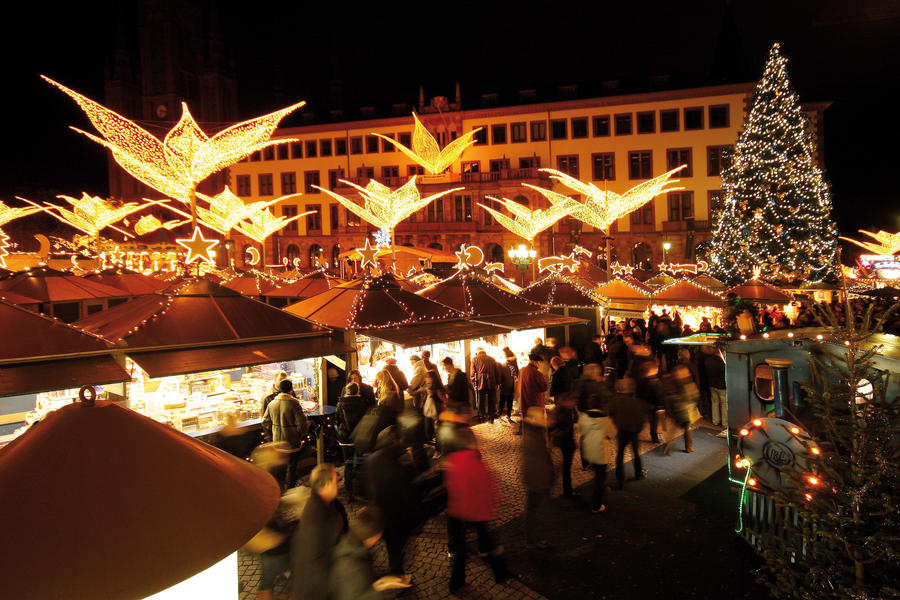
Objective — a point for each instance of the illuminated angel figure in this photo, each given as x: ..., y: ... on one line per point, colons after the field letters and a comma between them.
x: 9, y: 213
x: 384, y: 208
x: 426, y: 151
x: 527, y: 223
x: 260, y: 224
x: 91, y: 214
x: 187, y: 156
x: 601, y: 208
x: 888, y: 243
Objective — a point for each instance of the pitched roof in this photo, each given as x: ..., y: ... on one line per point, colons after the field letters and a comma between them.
x: 685, y: 292
x: 471, y: 293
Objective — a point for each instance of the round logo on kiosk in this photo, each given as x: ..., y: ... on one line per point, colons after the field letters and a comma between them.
x: 777, y: 454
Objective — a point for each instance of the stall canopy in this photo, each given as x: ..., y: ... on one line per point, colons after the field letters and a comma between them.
x: 135, y: 284
x: 19, y: 299
x: 307, y: 286
x: 660, y: 280
x: 708, y: 281
x: 627, y: 297
x: 49, y: 285
x: 559, y: 290
x: 685, y: 292
x: 250, y: 283
x: 40, y: 354
x: 470, y: 292
x: 760, y: 291
x: 200, y: 325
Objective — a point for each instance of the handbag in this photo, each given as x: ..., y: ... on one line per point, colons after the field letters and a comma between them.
x: 693, y: 414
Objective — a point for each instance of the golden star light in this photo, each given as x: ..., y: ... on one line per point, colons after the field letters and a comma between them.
x: 426, y: 152
x: 382, y: 207
x: 558, y: 264
x: 601, y: 208
x: 469, y: 256
x: 888, y: 243
x: 186, y: 156
x: 527, y: 223
x: 92, y: 214
x: 198, y: 247
x: 368, y: 253
x: 620, y: 269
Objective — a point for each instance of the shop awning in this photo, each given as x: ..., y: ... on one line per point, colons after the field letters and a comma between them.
x: 529, y: 321
x: 424, y: 334
x: 47, y: 376
x: 685, y: 292
x: 760, y: 291
x: 161, y: 363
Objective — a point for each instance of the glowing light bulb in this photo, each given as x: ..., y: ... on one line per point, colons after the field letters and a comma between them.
x: 795, y: 430
x: 813, y: 480
x: 819, y: 337
x: 808, y: 497
x: 791, y: 334
x: 745, y: 432
x: 766, y: 335
x: 751, y: 482
x: 743, y: 337
x: 757, y: 422
x: 815, y: 451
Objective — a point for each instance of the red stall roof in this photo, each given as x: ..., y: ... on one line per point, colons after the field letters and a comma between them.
x: 559, y: 291
x: 307, y: 286
x: 685, y: 292
x: 471, y: 293
x: 49, y: 285
x: 760, y: 291
x: 249, y: 284
x: 136, y: 284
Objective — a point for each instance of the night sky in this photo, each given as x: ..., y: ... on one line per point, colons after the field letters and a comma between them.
x: 845, y: 52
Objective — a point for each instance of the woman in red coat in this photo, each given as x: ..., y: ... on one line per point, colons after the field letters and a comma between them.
x: 471, y: 500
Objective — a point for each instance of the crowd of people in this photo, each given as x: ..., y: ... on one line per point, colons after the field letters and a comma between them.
x: 410, y: 451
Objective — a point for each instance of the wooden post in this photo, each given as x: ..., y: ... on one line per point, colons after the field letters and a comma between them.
x: 323, y: 392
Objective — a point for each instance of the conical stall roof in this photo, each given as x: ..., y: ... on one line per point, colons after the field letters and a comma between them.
x: 708, y: 281
x: 760, y: 291
x: 40, y: 353
x: 370, y: 303
x: 250, y: 283
x: 558, y: 290
x: 105, y: 503
x: 685, y: 292
x: 307, y: 286
x: 200, y: 325
x: 49, y: 285
x: 132, y: 282
x: 660, y: 280
x: 471, y: 293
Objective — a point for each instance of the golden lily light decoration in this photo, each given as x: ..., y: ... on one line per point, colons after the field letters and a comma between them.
x: 149, y: 223
x: 888, y: 243
x: 601, y: 208
x: 186, y: 156
x: 7, y: 214
x: 527, y: 223
x: 426, y: 151
x: 92, y: 214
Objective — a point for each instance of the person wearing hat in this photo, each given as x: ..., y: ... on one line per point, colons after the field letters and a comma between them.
x: 532, y: 384
x: 390, y: 365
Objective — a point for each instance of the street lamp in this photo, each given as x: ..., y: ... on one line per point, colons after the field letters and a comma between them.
x: 667, y: 245
x: 522, y: 257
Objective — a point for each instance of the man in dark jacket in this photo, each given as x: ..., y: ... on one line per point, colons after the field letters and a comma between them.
x: 651, y: 391
x: 532, y: 386
x: 484, y: 380
x: 629, y: 415
x: 366, y: 391
x: 322, y: 523
x: 284, y: 421
x: 715, y: 378
x: 537, y: 474
x: 457, y: 385
x: 352, y: 577
x: 350, y: 411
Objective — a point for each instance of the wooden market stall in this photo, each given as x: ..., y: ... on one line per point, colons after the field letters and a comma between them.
x: 63, y: 295
x: 689, y: 299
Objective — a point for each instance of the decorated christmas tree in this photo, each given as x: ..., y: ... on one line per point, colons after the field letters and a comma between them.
x: 776, y: 213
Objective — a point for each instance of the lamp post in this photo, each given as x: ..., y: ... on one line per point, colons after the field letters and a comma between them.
x: 522, y: 257
x: 667, y: 245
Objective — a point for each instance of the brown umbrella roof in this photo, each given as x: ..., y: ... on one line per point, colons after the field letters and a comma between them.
x: 760, y: 291
x: 558, y: 290
x: 136, y: 284
x: 307, y: 286
x: 468, y: 292
x: 196, y: 312
x: 14, y: 298
x: 28, y: 334
x: 48, y: 285
x: 249, y: 283
x: 368, y: 303
x: 685, y: 292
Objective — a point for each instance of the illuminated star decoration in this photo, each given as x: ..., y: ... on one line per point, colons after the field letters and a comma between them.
x: 601, y: 208
x: 493, y: 266
x: 469, y: 256
x: 558, y: 264
x: 426, y: 152
x: 186, y: 156
x: 581, y: 251
x: 368, y: 253
x: 92, y: 214
x: 382, y: 238
x: 888, y: 243
x: 198, y: 247
x: 675, y: 268
x: 620, y: 269
x: 527, y: 223
x: 382, y: 207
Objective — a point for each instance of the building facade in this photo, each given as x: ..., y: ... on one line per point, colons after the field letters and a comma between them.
x: 615, y: 142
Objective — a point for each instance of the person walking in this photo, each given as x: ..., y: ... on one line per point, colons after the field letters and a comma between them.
x: 471, y: 501
x: 596, y: 429
x: 537, y: 474
x: 284, y: 421
x: 561, y: 380
x: 562, y: 433
x: 629, y: 416
x: 484, y: 380
x: 682, y: 405
x: 352, y: 576
x: 322, y: 523
x: 435, y: 397
x: 650, y: 391
x: 532, y: 386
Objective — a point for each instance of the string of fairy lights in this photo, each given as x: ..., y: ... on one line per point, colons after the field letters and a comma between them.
x: 777, y: 206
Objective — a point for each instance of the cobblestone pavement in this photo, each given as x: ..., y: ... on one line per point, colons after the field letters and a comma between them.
x: 426, y: 555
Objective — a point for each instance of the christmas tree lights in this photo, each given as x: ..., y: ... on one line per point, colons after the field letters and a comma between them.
x: 426, y: 152
x: 601, y: 208
x: 777, y: 205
